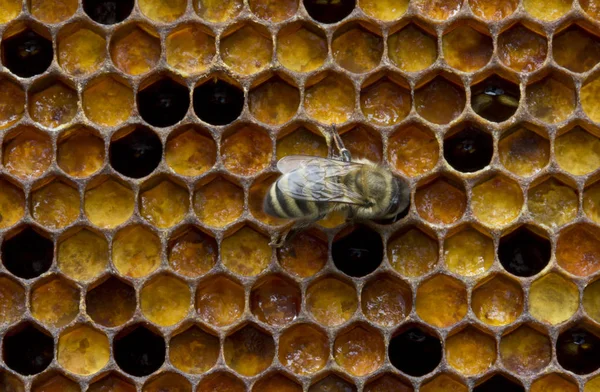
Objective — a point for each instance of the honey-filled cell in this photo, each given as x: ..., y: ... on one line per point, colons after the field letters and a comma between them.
x: 547, y: 10
x: 438, y: 9
x: 551, y: 100
x: 498, y: 301
x: 444, y: 383
x: 165, y: 204
x: 578, y: 249
x: 413, y: 150
x: 218, y: 203
x: 109, y: 215
x: 83, y: 350
x: 107, y: 101
x: 80, y: 153
x: 165, y: 300
x: 468, y: 252
x: 471, y: 351
x: 577, y: 151
x: 553, y: 383
x: 303, y: 349
x: 591, y: 202
x: 55, y: 302
x: 247, y: 151
x: 54, y: 105
x: 55, y: 205
x: 301, y: 48
x: 413, y: 253
x: 276, y: 383
x: 83, y: 255
x: 274, y: 11
x: 524, y: 152
x: 191, y: 152
x: 247, y: 50
x: 249, y: 351
x: 28, y: 153
x: 363, y: 143
x: 135, y: 51
x: 440, y: 202
x: 497, y: 201
x: 12, y: 301
x: 522, y: 49
x: 385, y: 103
x: 357, y: 50
x: 218, y: 11
x: 220, y: 301
x: 525, y: 350
x: 384, y: 10
x: 331, y: 301
x: 111, y: 303
x: 303, y: 255
x: 192, y: 253
x: 221, y: 381
x: 440, y: 101
x: 162, y: 12
x: 55, y: 383
x: 412, y: 49
x: 386, y: 301
x: 274, y: 102
x: 331, y: 100
x: 359, y: 351
x: 552, y: 203
x: 136, y: 251
x: 12, y: 203
x: 194, y: 351
x: 12, y: 102
x: 466, y: 49
x: 246, y: 252
x: 275, y: 301
x: 441, y: 301
x: 81, y: 52
x: 169, y: 381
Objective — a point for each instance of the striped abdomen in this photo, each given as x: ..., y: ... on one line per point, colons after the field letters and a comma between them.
x: 280, y: 205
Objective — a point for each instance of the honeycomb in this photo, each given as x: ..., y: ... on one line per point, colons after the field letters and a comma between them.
x: 138, y: 139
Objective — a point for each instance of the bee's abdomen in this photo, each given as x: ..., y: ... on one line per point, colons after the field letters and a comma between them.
x: 280, y: 205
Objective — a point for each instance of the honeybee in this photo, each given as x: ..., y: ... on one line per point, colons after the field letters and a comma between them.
x: 312, y: 187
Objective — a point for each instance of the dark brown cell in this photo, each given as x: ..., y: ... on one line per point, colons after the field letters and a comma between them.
x: 27, y: 53
x: 27, y: 350
x: 139, y: 351
x: 469, y: 150
x: 523, y: 252
x: 28, y: 254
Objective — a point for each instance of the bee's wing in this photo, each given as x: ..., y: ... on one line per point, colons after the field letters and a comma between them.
x: 318, y: 181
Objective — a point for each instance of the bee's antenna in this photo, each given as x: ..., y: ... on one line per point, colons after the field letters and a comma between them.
x: 339, y: 144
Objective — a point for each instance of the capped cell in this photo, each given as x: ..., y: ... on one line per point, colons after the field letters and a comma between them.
x: 247, y: 50
x: 27, y: 152
x: 466, y: 48
x: 425, y: 347
x: 54, y: 302
x: 552, y: 203
x: 470, y: 351
x: 412, y: 48
x: 165, y: 300
x: 303, y: 349
x: 246, y: 252
x: 83, y: 350
x: 111, y: 303
x: 303, y: 255
x: 578, y: 249
x: 577, y: 151
x: 194, y: 350
x: 331, y: 301
x: 441, y: 301
x: 386, y: 300
x: 55, y: 205
x: 80, y: 152
x: 139, y: 351
x: 469, y: 149
x: 192, y: 252
x: 577, y: 350
x: 301, y: 47
x: 413, y: 253
x: 524, y: 252
x: 247, y: 150
x: 136, y: 251
x: 439, y: 100
x: 219, y: 203
x: 357, y: 49
x: 27, y: 349
x: 523, y: 151
x: 12, y: 102
x: 551, y: 99
x: 218, y: 102
x: 360, y: 350
x: 525, y: 350
x: 27, y: 253
x: 441, y: 201
x: 330, y: 99
x: 108, y: 12
x: 52, y: 103
x: 12, y: 203
x: 81, y: 50
x: 12, y: 301
x: 135, y: 49
x: 497, y: 301
x: 108, y: 215
x: 108, y: 101
x: 275, y: 300
x: 218, y: 11
x: 135, y: 151
x: 497, y: 201
x: 220, y: 301
x: 83, y: 255
x: 164, y: 204
x: 413, y: 150
x: 468, y: 252
x: 249, y: 351
x: 27, y: 52
x: 385, y: 102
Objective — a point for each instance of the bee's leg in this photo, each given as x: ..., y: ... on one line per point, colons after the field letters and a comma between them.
x: 280, y: 239
x: 344, y: 154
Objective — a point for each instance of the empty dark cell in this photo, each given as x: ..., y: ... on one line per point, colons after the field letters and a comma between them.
x: 28, y: 254
x: 163, y: 103
x: 469, y: 150
x: 27, y: 53
x: 495, y: 99
x: 359, y: 253
x: 218, y: 103
x: 499, y: 383
x: 136, y: 154
x: 108, y: 12
x: 329, y: 11
x: 524, y: 253
x: 415, y: 352
x: 28, y: 351
x: 140, y: 352
x: 332, y: 383
x: 578, y: 351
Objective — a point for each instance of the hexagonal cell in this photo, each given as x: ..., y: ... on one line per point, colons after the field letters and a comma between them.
x: 276, y: 383
x: 190, y: 49
x: 28, y: 253
x: 301, y: 141
x: 246, y: 151
x: 247, y: 50
x: 218, y: 102
x: 468, y: 252
x: 108, y: 12
x: 139, y: 351
x: 135, y: 50
x: 413, y: 150
x: 357, y: 253
x: 83, y: 350
x: 359, y: 350
x: 412, y: 49
x: 441, y: 301
x: 385, y: 102
x: 27, y: 349
x: 11, y: 9
x: 466, y: 48
x: 438, y: 9
x: 332, y: 383
x: 357, y: 49
x: 12, y: 102
x: 495, y: 99
x: 80, y: 153
x: 493, y: 10
x: 593, y: 385
x: 55, y: 302
x: 524, y: 152
x: 55, y: 104
x: 12, y: 203
x: 426, y: 351
x: 274, y: 102
x: 578, y: 249
x: 329, y: 11
x: 303, y: 349
x: 591, y: 299
x: 386, y: 300
x: 221, y: 381
x: 163, y: 102
x: 522, y: 49
x: 219, y: 202
x: 246, y: 252
x: 547, y: 10
x: 388, y: 383
x: 576, y: 49
x: 524, y: 252
x: 192, y: 253
x: 444, y: 383
x: 525, y: 351
x: 578, y: 350
x: 135, y: 151
x: 471, y: 351
x: 331, y: 301
x: 498, y: 301
x: 331, y: 100
x: 249, y: 351
x: 220, y: 301
x: 12, y: 301
x: 413, y: 253
x: 136, y: 251
x: 441, y: 202
x: 159, y: 11
x: 497, y: 201
x: 27, y: 153
x: 218, y: 11
x: 469, y: 150
x: 81, y: 51
x: 83, y: 255
x: 54, y: 382
x: 165, y: 300
x: 552, y: 203
x: 498, y: 382
x: 551, y: 100
x: 303, y: 255
x: 55, y: 205
x: 440, y: 101
x: 384, y: 10
x: 27, y: 53
x: 191, y: 152
x: 577, y: 151
x: 274, y: 11
x: 168, y: 381
x: 107, y: 101
x: 111, y: 303
x: 363, y: 143
x: 588, y: 95
x: 106, y: 215
x: 194, y: 350
x: 553, y: 382
x: 275, y: 300
x: 301, y: 48
x: 164, y: 204
x: 591, y: 202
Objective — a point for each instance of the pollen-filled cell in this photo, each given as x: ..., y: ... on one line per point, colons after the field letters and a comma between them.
x: 191, y: 152
x: 331, y: 301
x: 83, y: 256
x: 497, y: 202
x: 218, y: 11
x: 107, y: 101
x: 553, y: 383
x: 190, y: 49
x: 498, y: 301
x: 49, y: 11
x: 109, y: 215
x: 221, y: 381
x: 591, y: 300
x: 441, y: 301
x: 165, y: 204
x: 386, y: 301
x: 413, y: 253
x: 301, y: 141
x: 192, y: 253
x: 493, y: 10
x: 552, y: 203
x: 440, y: 101
x: 522, y: 49
x: 470, y: 351
x: 12, y: 103
x: 467, y: 49
x: 163, y: 12
x: 246, y: 151
x: 165, y: 300
x: 303, y: 256
x: 589, y: 98
x: 385, y: 103
x: 247, y: 50
x: 56, y: 383
x: 54, y: 105
x: 363, y: 143
x: 303, y: 349
x: 83, y: 350
x: 547, y: 10
x: 578, y: 249
x: 276, y: 383
x: 12, y: 301
x: 220, y: 301
x: 12, y: 204
x: 577, y: 151
x: 413, y: 150
x: 249, y: 351
x: 80, y: 153
x: 438, y: 9
x: 331, y: 100
x: 274, y: 102
x: 82, y: 52
x: 576, y: 49
x: 275, y: 301
x: 301, y: 49
x: 246, y: 252
x: 440, y: 202
x: 194, y: 350
x: 28, y: 153
x: 136, y: 251
x: 469, y: 253
x: 333, y: 383
x: 169, y: 381
x: 525, y: 350
x: 444, y: 383
x: 357, y: 50
x: 274, y: 11
x: 55, y: 205
x: 524, y: 152
x: 136, y: 51
x: 553, y: 299
x: 388, y: 383
x: 10, y: 10
x: 111, y: 303
x: 359, y: 351
x: 219, y: 202
x: 385, y: 10
x: 412, y: 49
x: 55, y: 302
x: 591, y: 202
x: 551, y: 100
